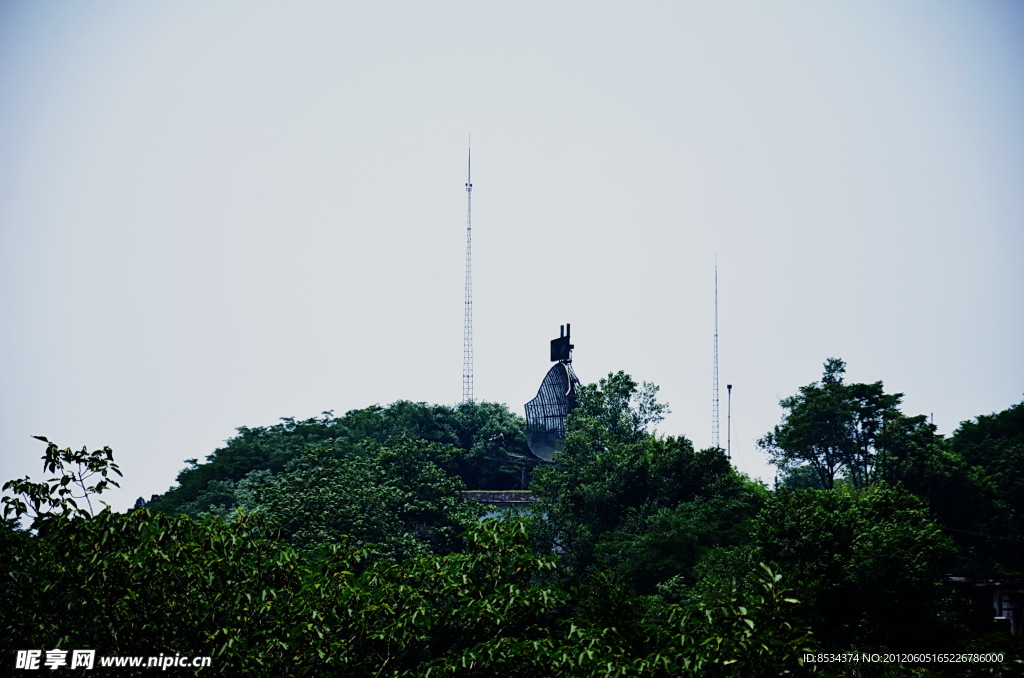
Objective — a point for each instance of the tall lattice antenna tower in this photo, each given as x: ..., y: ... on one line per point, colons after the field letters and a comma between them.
x: 714, y: 395
x: 467, y: 337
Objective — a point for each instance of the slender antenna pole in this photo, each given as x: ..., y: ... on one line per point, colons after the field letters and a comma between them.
x: 467, y: 338
x: 728, y: 424
x: 714, y: 395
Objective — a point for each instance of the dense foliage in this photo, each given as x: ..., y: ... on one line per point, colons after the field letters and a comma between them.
x: 346, y: 547
x: 869, y: 563
x: 146, y: 583
x: 833, y: 427
x: 647, y: 506
x: 488, y: 450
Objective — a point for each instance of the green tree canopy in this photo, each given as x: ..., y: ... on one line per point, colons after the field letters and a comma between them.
x: 634, y: 500
x: 396, y: 496
x: 146, y: 583
x: 992, y: 446
x: 869, y: 562
x: 491, y: 440
x: 832, y: 426
x: 995, y: 442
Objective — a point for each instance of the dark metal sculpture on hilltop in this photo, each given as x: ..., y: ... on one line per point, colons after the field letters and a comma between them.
x: 545, y: 414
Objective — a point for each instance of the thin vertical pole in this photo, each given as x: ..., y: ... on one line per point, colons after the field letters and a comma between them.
x: 728, y: 422
x: 467, y: 337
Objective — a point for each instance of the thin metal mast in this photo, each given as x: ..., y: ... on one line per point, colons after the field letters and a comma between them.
x: 467, y: 339
x: 728, y: 426
x: 714, y: 396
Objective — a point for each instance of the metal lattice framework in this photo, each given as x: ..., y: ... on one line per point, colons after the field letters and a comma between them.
x: 467, y: 336
x: 546, y: 413
x: 714, y: 395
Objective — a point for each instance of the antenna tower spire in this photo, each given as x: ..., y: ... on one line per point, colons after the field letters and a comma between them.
x: 714, y: 396
x: 467, y: 337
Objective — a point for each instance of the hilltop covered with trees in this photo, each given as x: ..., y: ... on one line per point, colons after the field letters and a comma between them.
x: 345, y: 545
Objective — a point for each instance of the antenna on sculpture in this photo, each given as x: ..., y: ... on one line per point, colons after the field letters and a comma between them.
x: 467, y: 337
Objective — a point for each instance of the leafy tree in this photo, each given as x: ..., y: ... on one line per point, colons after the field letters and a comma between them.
x: 963, y: 497
x: 497, y: 456
x: 993, y: 447
x: 752, y: 634
x: 832, y: 426
x: 671, y: 543
x: 396, y: 496
x: 207, y: 486
x: 59, y: 497
x: 477, y: 612
x: 492, y: 440
x: 619, y: 493
x: 615, y: 410
x: 660, y: 515
x: 995, y: 442
x: 146, y: 583
x: 588, y: 497
x: 869, y: 562
x: 802, y: 477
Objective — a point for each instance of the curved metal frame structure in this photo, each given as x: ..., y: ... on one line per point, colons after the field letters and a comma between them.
x: 556, y: 397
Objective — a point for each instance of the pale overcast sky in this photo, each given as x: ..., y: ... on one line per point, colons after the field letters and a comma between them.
x: 217, y: 214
